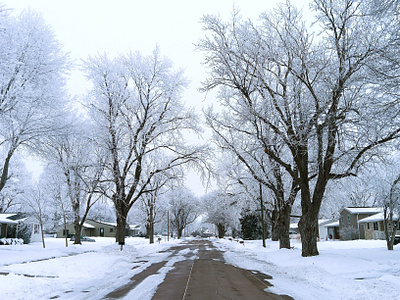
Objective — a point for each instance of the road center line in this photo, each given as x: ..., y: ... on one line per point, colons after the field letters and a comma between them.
x: 187, y: 283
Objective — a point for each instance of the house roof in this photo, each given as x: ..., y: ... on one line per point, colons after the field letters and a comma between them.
x: 109, y: 224
x: 332, y: 224
x: 376, y: 218
x: 104, y: 223
x: 321, y: 222
x: 363, y: 210
x: 5, y: 219
x: 87, y: 225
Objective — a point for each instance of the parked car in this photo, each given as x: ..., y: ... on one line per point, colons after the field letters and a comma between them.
x: 293, y: 234
x: 83, y: 239
x: 396, y: 240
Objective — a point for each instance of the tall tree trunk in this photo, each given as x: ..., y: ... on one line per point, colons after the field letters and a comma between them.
x: 308, y: 226
x: 151, y: 233
x: 121, y: 226
x: 274, y: 225
x: 78, y: 230
x: 283, y: 222
x: 42, y: 234
x: 180, y: 230
x: 389, y: 236
x: 221, y: 230
x: 65, y: 226
x: 4, y: 174
x: 121, y: 209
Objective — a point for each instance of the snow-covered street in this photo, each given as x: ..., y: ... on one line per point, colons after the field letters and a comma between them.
x: 343, y: 270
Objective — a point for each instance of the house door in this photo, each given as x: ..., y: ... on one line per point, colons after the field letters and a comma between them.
x: 101, y: 231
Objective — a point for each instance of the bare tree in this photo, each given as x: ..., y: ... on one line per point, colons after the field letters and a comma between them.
x: 37, y: 203
x: 135, y: 105
x: 82, y: 164
x: 32, y: 82
x: 249, y: 145
x: 326, y: 100
x: 184, y: 209
x: 222, y: 209
x: 150, y: 203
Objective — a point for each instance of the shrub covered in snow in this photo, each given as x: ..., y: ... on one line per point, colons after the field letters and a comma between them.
x: 11, y: 241
x: 349, y: 233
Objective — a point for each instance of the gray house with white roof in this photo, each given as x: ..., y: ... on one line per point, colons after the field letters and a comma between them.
x: 349, y: 225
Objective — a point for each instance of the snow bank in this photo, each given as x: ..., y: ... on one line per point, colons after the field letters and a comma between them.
x: 343, y: 270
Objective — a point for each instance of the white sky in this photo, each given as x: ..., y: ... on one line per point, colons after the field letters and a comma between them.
x: 88, y: 27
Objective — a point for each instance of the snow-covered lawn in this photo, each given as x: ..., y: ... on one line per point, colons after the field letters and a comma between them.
x: 343, y: 270
x: 87, y: 271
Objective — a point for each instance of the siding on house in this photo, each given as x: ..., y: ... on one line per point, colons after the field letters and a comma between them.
x: 374, y: 226
x: 103, y: 228
x: 350, y: 217
x: 90, y: 228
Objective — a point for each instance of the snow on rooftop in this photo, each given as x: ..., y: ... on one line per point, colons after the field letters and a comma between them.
x: 363, y: 210
x: 4, y: 218
x: 108, y: 223
x: 332, y: 224
x: 376, y: 218
x: 87, y: 225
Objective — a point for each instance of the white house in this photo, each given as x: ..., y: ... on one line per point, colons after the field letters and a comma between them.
x: 16, y: 220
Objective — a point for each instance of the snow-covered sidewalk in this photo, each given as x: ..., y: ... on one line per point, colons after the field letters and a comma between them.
x: 344, y: 269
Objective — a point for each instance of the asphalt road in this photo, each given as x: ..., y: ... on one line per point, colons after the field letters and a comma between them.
x: 204, y: 275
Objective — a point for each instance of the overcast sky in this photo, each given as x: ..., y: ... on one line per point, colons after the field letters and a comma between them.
x: 88, y: 27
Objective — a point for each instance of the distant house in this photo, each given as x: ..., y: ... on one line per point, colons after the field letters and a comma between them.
x: 97, y: 228
x: 12, y: 225
x: 90, y: 228
x: 322, y: 229
x: 349, y: 226
x: 374, y: 228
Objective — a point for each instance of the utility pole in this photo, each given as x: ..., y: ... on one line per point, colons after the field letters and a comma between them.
x: 262, y: 215
x: 168, y: 225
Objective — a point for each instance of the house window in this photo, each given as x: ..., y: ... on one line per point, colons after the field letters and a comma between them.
x: 65, y: 232
x: 36, y: 228
x: 348, y: 220
x: 101, y: 231
x: 111, y: 229
x: 368, y: 226
x: 375, y: 225
x: 342, y: 219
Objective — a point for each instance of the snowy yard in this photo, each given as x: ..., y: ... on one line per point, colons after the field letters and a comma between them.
x: 87, y: 271
x: 344, y: 270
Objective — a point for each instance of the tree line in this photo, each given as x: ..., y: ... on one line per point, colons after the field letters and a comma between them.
x: 301, y: 106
